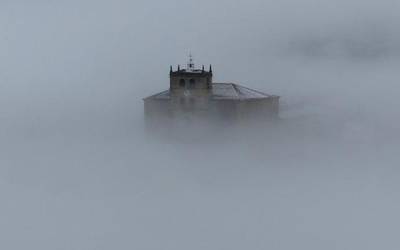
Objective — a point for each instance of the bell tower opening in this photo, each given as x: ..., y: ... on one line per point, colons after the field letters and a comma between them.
x: 192, y: 83
x: 182, y: 83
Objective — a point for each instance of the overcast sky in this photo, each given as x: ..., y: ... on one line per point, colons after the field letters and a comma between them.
x: 77, y: 170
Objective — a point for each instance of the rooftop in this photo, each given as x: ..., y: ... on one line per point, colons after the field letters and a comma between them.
x: 223, y: 91
x: 192, y: 72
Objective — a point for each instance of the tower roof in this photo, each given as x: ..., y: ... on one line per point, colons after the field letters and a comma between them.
x: 191, y: 70
x: 194, y: 72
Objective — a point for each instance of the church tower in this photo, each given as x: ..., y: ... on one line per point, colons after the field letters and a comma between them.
x: 190, y: 78
x: 194, y: 97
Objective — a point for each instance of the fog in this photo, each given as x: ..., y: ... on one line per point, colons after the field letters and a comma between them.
x: 79, y: 171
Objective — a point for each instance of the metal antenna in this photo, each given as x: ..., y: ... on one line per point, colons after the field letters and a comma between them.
x: 190, y: 65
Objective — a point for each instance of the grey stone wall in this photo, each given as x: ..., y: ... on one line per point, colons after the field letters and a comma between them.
x: 192, y: 109
x: 191, y: 81
x: 258, y: 109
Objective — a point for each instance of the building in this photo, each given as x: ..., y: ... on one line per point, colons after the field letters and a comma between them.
x: 193, y: 96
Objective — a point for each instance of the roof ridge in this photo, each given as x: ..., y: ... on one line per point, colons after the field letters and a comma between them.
x: 259, y: 92
x: 236, y: 90
x: 155, y: 95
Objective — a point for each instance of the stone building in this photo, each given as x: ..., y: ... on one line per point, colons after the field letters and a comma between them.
x: 193, y: 96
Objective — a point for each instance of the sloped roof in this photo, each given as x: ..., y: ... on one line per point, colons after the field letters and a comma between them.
x: 223, y: 91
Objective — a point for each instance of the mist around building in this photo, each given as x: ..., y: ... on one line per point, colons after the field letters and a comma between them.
x: 79, y: 169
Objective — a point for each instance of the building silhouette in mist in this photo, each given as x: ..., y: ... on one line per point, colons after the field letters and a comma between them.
x: 193, y: 96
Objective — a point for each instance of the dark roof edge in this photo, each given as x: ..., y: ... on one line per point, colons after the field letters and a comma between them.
x: 155, y: 95
x: 188, y: 73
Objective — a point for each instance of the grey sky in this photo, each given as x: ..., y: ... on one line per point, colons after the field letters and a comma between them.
x: 77, y: 170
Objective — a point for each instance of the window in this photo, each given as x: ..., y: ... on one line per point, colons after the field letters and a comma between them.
x: 182, y: 83
x: 192, y: 83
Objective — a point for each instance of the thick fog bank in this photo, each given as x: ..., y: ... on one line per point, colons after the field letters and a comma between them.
x: 78, y: 170
x: 325, y: 176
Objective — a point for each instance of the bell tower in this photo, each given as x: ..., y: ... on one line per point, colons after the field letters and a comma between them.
x: 190, y: 78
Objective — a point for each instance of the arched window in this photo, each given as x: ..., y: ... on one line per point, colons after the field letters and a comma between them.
x: 182, y: 83
x: 192, y: 83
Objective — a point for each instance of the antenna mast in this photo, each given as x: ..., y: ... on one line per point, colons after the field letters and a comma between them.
x: 190, y: 65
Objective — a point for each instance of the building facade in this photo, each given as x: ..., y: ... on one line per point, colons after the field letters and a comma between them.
x: 193, y: 96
